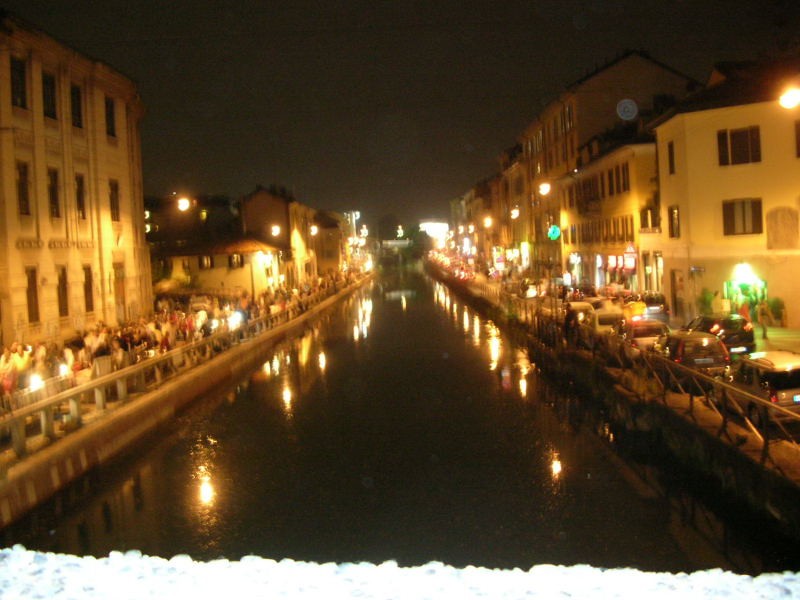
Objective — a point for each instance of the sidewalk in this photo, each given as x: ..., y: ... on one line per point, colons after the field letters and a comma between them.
x: 779, y: 338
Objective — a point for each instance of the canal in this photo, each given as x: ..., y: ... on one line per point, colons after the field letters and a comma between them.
x: 401, y: 425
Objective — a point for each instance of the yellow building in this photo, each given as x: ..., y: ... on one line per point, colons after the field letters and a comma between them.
x: 729, y: 172
x: 72, y: 240
x: 614, y: 97
x: 609, y: 242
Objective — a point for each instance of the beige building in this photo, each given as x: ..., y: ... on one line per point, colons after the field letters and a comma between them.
x: 609, y: 241
x: 264, y: 242
x: 72, y: 240
x: 513, y: 212
x: 729, y: 171
x: 614, y: 98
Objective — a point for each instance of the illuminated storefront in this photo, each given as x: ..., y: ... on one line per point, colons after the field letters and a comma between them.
x: 744, y: 287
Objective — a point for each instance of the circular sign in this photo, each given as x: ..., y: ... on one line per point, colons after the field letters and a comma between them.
x: 554, y: 232
x: 627, y: 109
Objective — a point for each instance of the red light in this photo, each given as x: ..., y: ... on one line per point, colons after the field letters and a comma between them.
x: 748, y: 327
x: 773, y: 395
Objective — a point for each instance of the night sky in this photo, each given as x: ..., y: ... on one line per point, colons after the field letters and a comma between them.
x: 387, y: 107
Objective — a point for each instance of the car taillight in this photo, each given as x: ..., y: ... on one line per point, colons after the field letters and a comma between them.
x: 773, y: 394
x: 748, y: 327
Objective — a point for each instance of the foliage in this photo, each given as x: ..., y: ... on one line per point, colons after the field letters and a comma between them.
x: 776, y: 307
x: 704, y: 301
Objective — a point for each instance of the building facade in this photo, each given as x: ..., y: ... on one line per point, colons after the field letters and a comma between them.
x: 729, y: 178
x: 72, y: 239
x: 609, y: 241
x: 611, y: 100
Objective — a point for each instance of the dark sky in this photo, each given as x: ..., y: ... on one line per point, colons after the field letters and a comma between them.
x: 387, y: 107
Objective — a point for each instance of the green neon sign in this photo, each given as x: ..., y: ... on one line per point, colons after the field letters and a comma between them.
x: 554, y: 232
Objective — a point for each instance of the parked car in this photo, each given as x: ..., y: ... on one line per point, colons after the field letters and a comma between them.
x: 655, y: 306
x: 698, y: 350
x: 734, y: 330
x: 773, y: 375
x: 631, y: 338
x: 597, y: 325
x: 634, y: 307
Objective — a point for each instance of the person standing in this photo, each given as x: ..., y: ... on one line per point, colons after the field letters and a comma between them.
x: 764, y: 318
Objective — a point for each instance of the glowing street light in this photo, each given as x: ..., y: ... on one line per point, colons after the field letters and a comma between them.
x: 314, y: 230
x: 183, y: 204
x: 790, y: 98
x: 544, y: 188
x: 487, y: 222
x: 515, y: 212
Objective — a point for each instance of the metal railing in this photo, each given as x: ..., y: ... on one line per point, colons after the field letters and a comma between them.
x: 766, y: 422
x: 60, y: 407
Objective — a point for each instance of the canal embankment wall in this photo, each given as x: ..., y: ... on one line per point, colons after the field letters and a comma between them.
x: 728, y: 470
x: 41, y: 475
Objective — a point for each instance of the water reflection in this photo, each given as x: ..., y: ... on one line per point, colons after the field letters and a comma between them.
x: 286, y: 394
x: 339, y: 452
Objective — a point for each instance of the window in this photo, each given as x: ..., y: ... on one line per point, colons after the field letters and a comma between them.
x: 740, y: 217
x: 80, y: 196
x: 611, y: 182
x: 205, y: 262
x: 52, y: 194
x: 739, y: 146
x: 49, y: 95
x: 32, y: 294
x: 19, y: 88
x: 671, y: 157
x: 63, y: 305
x: 797, y: 138
x: 235, y: 261
x: 617, y: 180
x: 88, y: 286
x: 113, y: 199
x: 626, y: 178
x: 23, y: 189
x: 674, y: 216
x: 111, y: 120
x: 76, y: 105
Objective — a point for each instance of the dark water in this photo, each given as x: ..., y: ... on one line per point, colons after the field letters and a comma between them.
x: 400, y: 426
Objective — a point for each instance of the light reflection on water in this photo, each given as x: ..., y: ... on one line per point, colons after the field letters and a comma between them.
x: 337, y: 464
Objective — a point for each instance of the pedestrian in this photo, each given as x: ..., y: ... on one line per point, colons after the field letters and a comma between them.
x: 8, y: 377
x: 570, y: 323
x: 764, y: 318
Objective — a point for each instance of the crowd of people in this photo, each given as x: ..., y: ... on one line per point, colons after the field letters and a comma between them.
x: 175, y: 320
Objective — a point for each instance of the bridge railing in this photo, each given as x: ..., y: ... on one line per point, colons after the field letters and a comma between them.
x: 61, y: 407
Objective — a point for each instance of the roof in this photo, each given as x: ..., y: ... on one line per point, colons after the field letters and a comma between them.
x: 777, y: 360
x: 735, y: 84
x: 624, y: 56
x: 243, y: 245
x: 247, y: 245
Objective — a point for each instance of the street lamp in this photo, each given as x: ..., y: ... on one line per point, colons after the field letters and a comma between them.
x: 183, y: 204
x: 544, y: 188
x: 790, y: 98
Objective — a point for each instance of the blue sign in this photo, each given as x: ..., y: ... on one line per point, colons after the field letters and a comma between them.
x: 554, y: 232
